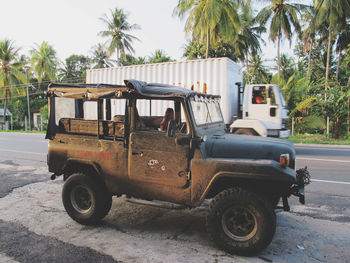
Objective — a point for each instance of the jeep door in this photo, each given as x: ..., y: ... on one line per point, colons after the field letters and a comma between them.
x: 155, y: 157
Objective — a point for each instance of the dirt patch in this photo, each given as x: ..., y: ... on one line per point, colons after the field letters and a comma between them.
x: 138, y: 233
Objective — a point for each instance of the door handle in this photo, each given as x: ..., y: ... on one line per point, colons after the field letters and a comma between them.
x: 136, y: 153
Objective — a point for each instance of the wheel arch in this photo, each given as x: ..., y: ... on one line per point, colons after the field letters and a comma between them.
x: 225, y: 180
x: 83, y: 166
x: 255, y: 125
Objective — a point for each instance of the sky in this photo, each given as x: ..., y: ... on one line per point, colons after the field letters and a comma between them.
x: 72, y: 26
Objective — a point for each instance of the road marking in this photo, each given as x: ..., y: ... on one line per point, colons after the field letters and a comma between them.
x: 323, y: 148
x: 328, y: 181
x: 8, y: 150
x: 323, y: 160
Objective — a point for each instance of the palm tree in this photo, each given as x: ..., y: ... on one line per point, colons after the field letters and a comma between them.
x: 44, y: 62
x: 159, y: 56
x: 248, y: 39
x: 307, y: 36
x: 257, y: 72
x: 10, y: 70
x: 282, y: 15
x: 343, y: 40
x: 334, y: 13
x: 210, y: 20
x: 118, y: 38
x: 99, y: 57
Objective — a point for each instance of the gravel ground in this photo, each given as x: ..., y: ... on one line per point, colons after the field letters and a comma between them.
x: 34, y: 227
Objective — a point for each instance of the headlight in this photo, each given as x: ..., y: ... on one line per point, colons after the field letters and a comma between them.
x: 284, y: 160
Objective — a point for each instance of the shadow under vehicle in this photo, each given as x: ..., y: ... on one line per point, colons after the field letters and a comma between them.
x: 104, y: 145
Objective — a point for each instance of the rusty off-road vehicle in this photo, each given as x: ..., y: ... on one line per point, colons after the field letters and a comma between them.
x: 106, y: 140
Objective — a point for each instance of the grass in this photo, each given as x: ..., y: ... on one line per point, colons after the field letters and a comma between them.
x: 317, y: 139
x: 22, y: 131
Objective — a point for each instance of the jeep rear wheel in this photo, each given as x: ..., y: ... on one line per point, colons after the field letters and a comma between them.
x: 241, y: 222
x: 85, y: 199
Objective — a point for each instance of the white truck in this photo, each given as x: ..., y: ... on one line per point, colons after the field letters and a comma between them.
x: 243, y: 111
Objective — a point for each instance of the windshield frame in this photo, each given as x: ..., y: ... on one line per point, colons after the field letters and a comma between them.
x: 210, y: 115
x: 201, y: 129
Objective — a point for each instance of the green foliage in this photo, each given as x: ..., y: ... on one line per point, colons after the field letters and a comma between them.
x: 336, y: 108
x: 74, y: 69
x: 159, y: 56
x: 18, y: 107
x: 44, y: 112
x: 117, y: 33
x: 44, y: 62
x: 99, y: 57
x: 210, y: 21
x: 196, y: 50
x: 131, y: 60
x: 310, y: 124
x: 282, y: 16
x: 10, y: 70
x: 317, y: 139
x: 257, y: 72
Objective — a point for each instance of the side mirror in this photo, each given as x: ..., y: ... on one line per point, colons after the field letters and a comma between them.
x: 171, y: 128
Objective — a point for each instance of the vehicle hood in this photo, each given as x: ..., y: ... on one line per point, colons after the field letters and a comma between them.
x: 233, y: 146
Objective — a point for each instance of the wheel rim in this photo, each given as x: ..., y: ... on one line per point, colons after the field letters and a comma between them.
x: 239, y: 223
x: 81, y: 198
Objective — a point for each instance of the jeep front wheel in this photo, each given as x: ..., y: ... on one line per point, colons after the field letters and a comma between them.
x: 85, y: 199
x: 241, y: 222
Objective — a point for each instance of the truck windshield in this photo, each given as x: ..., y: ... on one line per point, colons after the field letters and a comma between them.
x: 206, y: 111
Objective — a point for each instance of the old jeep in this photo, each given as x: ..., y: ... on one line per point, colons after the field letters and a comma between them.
x: 106, y: 140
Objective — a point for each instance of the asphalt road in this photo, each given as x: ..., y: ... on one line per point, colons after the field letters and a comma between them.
x: 330, y: 172
x: 329, y: 167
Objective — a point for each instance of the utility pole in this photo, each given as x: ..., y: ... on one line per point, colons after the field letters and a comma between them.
x: 30, y: 125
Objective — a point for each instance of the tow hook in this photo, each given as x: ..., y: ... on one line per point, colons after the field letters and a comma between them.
x: 302, y: 178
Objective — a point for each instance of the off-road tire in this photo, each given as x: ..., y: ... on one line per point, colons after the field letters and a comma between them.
x: 241, y: 222
x: 86, y: 199
x: 244, y: 131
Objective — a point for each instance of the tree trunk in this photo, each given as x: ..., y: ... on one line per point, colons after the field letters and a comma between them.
x: 328, y: 61
x: 309, y: 62
x: 246, y: 62
x: 338, y: 64
x: 348, y: 113
x: 5, y: 107
x: 208, y: 44
x: 278, y: 53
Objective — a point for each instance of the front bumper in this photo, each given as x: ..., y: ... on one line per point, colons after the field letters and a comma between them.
x: 284, y: 133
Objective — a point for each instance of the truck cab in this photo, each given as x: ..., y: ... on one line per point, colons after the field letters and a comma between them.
x: 183, y: 156
x: 264, y: 112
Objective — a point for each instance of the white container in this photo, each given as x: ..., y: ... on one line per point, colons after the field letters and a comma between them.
x: 219, y: 75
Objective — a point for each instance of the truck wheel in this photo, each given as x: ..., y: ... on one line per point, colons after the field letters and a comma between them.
x: 243, y: 131
x: 85, y: 199
x: 241, y: 222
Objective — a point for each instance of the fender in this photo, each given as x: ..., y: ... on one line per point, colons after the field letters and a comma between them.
x: 205, y: 172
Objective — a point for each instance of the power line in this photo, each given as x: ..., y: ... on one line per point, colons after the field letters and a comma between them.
x: 42, y: 83
x: 30, y: 94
